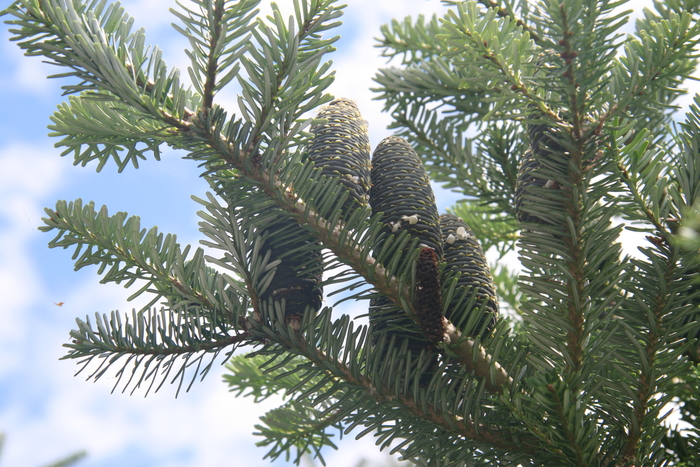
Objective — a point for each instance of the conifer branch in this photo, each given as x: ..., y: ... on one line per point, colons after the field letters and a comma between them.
x: 641, y: 204
x: 651, y: 217
x: 583, y: 378
x: 212, y: 65
x: 646, y: 384
x: 460, y: 171
x: 472, y: 44
x: 473, y: 358
x: 564, y: 421
x: 571, y: 75
x: 300, y: 426
x: 414, y: 40
x: 105, y: 240
x: 574, y: 262
x: 674, y: 57
x: 99, y: 348
x: 451, y: 423
x: 153, y: 341
x: 503, y: 12
x: 353, y: 255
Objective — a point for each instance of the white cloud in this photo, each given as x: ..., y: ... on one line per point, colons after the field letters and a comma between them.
x: 25, y: 73
x: 26, y: 173
x: 69, y: 414
x: 209, y: 424
x: 30, y: 169
x: 358, y: 60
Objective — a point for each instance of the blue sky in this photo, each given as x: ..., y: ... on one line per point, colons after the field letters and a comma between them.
x: 45, y: 411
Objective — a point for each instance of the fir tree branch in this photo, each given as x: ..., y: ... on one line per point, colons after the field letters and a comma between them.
x: 651, y: 217
x: 300, y: 426
x: 571, y: 74
x: 247, y: 161
x: 574, y: 263
x: 96, y: 126
x: 212, y: 65
x: 563, y: 408
x: 228, y: 234
x: 353, y: 255
x: 493, y: 55
x: 562, y: 254
x: 414, y: 40
x: 504, y: 12
x: 219, y: 34
x: 655, y: 339
x: 336, y: 375
x: 97, y: 347
x: 671, y: 57
x: 646, y: 210
x: 132, y: 254
x: 448, y: 422
x: 153, y: 341
x: 102, y: 52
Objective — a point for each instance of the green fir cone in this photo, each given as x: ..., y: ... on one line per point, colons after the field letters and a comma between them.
x: 524, y: 180
x: 401, y: 191
x: 341, y: 148
x: 299, y: 274
x: 464, y: 254
x: 537, y: 166
x: 534, y: 182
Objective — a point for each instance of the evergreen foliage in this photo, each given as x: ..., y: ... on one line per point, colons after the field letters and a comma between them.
x: 555, y: 126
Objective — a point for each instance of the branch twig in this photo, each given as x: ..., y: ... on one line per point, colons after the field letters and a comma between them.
x: 505, y: 13
x: 449, y: 422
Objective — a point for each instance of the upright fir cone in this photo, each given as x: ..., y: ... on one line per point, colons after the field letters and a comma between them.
x: 427, y: 299
x: 298, y: 277
x: 341, y: 148
x: 464, y: 254
x: 535, y: 182
x: 401, y: 191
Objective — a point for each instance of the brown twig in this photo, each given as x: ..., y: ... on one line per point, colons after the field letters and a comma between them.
x: 212, y: 65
